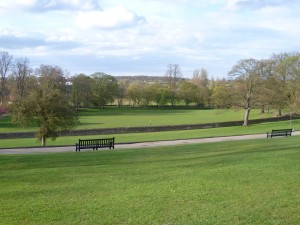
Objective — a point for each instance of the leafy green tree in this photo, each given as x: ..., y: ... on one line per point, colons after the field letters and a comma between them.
x: 121, y: 93
x: 293, y: 85
x: 277, y: 82
x: 82, y: 91
x: 135, y: 92
x: 161, y: 94
x: 221, y: 94
x: 46, y: 104
x: 190, y: 93
x: 265, y: 92
x: 148, y: 93
x: 105, y: 89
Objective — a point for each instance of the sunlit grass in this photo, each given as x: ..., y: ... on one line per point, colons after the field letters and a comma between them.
x: 262, y: 128
x: 138, y: 117
x: 242, y: 182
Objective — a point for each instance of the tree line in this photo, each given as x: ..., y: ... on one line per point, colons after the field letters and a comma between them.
x: 100, y: 89
x: 49, y: 94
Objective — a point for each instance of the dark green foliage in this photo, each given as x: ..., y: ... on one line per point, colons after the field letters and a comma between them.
x: 105, y: 89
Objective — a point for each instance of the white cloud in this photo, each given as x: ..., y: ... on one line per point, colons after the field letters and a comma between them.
x: 48, y: 5
x: 203, y: 33
x: 257, y: 4
x: 109, y: 19
x: 7, y: 4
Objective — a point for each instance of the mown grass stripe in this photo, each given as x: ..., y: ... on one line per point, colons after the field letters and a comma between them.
x: 235, y: 182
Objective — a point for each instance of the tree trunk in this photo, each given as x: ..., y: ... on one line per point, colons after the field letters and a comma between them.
x: 279, y: 112
x: 262, y: 109
x: 43, y: 141
x: 246, y: 118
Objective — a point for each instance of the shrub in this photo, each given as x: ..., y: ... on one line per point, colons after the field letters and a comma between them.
x: 3, y: 110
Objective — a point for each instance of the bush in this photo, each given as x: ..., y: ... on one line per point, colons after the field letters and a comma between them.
x: 3, y: 110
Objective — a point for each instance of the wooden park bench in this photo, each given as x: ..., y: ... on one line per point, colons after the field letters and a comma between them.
x: 281, y: 132
x: 95, y: 144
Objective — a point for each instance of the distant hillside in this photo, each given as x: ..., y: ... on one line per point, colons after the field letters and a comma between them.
x: 141, y: 78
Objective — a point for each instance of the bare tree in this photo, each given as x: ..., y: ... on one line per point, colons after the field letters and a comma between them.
x: 200, y: 78
x: 21, y: 73
x: 246, y: 81
x: 5, y: 66
x: 173, y: 77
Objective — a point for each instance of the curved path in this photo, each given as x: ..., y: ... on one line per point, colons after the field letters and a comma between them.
x: 136, y: 145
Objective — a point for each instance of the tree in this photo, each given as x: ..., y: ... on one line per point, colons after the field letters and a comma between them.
x: 276, y: 82
x: 148, y: 93
x: 293, y: 84
x: 105, y: 89
x: 20, y: 75
x: 200, y: 78
x: 122, y: 86
x: 46, y: 104
x: 161, y: 94
x: 173, y: 78
x: 81, y: 91
x: 5, y: 66
x: 221, y: 94
x: 135, y: 92
x: 265, y: 94
x: 190, y: 93
x: 245, y: 85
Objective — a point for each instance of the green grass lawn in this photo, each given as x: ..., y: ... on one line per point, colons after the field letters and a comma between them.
x: 241, y: 182
x: 155, y: 136
x: 138, y: 117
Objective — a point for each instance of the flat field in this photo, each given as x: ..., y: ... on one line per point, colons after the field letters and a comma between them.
x: 240, y: 182
x: 261, y: 128
x: 113, y: 117
x: 138, y: 117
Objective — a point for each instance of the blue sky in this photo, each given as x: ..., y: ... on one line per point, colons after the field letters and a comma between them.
x: 141, y: 37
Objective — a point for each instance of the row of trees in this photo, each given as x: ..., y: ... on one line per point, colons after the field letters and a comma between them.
x: 100, y: 89
x: 50, y: 96
x: 272, y: 83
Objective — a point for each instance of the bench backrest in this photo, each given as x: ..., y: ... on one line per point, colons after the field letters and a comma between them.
x: 282, y: 131
x: 99, y: 142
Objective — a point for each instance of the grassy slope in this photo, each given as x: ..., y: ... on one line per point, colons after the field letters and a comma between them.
x: 243, y: 182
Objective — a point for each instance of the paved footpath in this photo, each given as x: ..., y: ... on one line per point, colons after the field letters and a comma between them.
x: 137, y: 145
